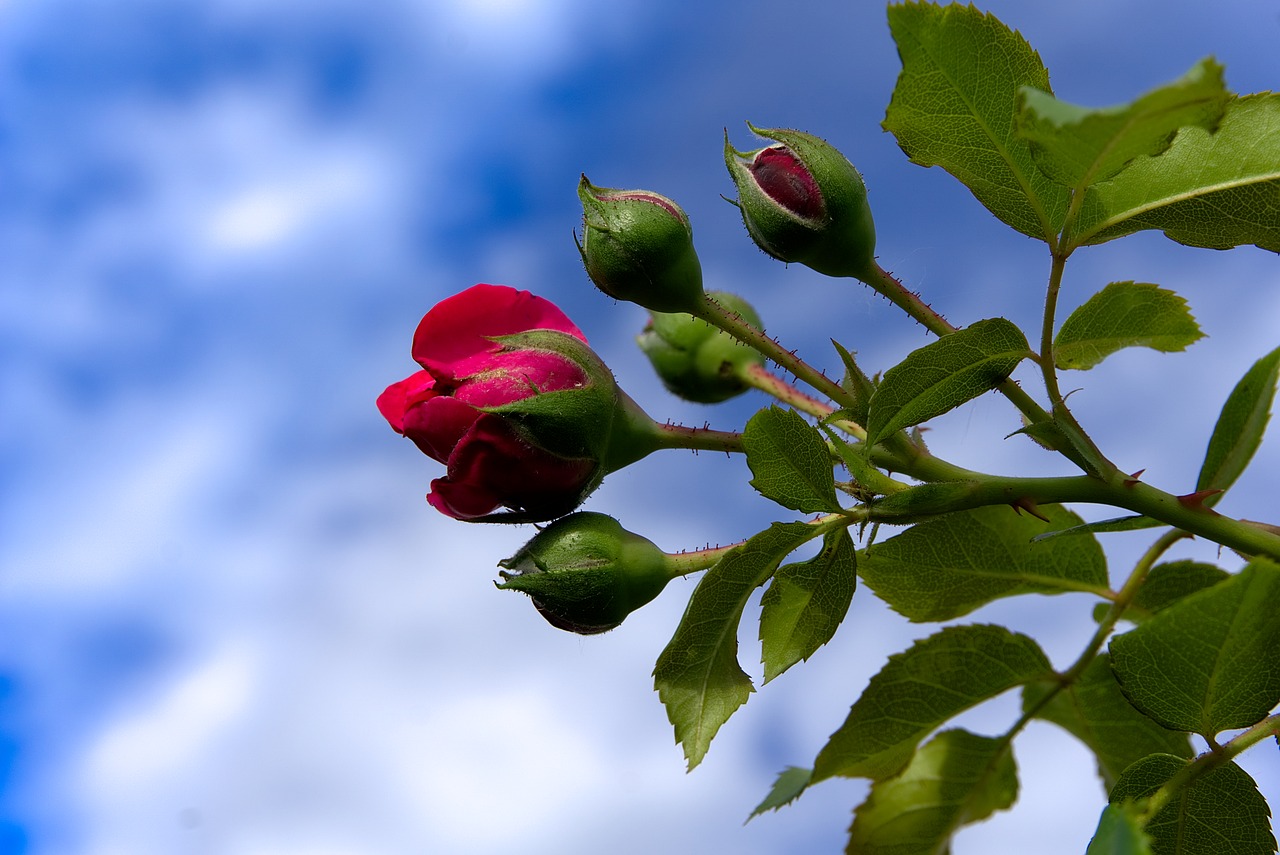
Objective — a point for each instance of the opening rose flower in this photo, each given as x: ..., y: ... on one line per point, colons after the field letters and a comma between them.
x: 511, y: 399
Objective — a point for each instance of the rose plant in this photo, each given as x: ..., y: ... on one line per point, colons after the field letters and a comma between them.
x: 1180, y: 674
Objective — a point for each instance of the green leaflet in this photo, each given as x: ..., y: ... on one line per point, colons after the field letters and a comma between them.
x: 955, y: 103
x: 791, y: 782
x: 1220, y: 813
x: 1094, y: 710
x: 806, y: 602
x: 944, y: 374
x: 1213, y: 190
x: 1077, y: 146
x: 1124, y: 314
x: 1207, y: 663
x: 1240, y: 426
x: 919, y: 689
x: 789, y: 461
x: 1168, y: 583
x: 1119, y: 833
x: 697, y: 676
x: 949, y: 566
x: 955, y: 779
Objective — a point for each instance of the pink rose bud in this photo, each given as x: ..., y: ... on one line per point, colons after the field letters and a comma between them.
x: 638, y: 246
x: 803, y: 202
x: 586, y: 573
x: 515, y: 404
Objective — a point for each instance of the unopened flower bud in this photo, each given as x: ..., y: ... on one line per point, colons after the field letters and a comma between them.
x: 638, y: 246
x: 694, y: 359
x: 585, y: 573
x: 803, y: 201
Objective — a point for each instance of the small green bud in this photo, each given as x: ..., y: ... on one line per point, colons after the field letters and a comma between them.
x: 585, y: 573
x: 695, y: 360
x: 638, y: 246
x: 803, y: 201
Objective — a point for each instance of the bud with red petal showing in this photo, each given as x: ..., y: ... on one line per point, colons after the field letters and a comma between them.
x: 638, y: 246
x: 694, y: 359
x: 804, y: 202
x: 586, y: 573
x: 520, y: 410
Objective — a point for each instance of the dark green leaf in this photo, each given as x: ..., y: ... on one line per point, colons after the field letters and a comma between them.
x: 698, y: 676
x: 1094, y: 710
x: 806, y: 603
x: 954, y: 106
x: 944, y: 374
x: 1240, y: 426
x: 955, y: 779
x: 1168, y: 583
x: 856, y: 383
x: 922, y: 687
x: 1207, y: 663
x: 1213, y: 190
x: 789, y: 461
x: 1119, y: 833
x: 1220, y: 813
x: 1124, y: 314
x: 1077, y: 146
x: 791, y: 782
x: 949, y: 566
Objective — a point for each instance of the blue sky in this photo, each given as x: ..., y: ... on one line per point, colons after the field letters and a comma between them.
x: 228, y: 620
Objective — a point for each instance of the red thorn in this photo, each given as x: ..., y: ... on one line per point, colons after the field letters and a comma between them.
x: 1195, y: 500
x: 1133, y: 479
x: 1025, y: 504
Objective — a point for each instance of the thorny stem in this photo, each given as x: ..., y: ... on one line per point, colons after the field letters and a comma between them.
x: 698, y: 439
x: 761, y: 378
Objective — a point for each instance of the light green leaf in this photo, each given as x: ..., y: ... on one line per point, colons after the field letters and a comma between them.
x: 856, y: 383
x: 1213, y: 190
x: 806, y: 602
x: 957, y: 778
x: 790, y: 463
x: 1119, y: 833
x: 1240, y: 427
x: 1207, y: 663
x: 1077, y: 146
x: 1134, y: 522
x: 1094, y: 710
x: 919, y: 689
x: 944, y: 374
x: 697, y: 676
x: 1221, y: 813
x: 954, y: 106
x: 1124, y: 314
x: 791, y: 782
x: 949, y: 566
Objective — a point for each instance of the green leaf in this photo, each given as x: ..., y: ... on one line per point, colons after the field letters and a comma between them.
x: 1240, y: 426
x: 949, y: 566
x: 1077, y: 146
x: 954, y: 106
x: 806, y: 603
x: 1213, y: 190
x: 1124, y: 314
x: 944, y: 374
x: 697, y: 676
x: 957, y: 778
x: 1119, y: 833
x: 1168, y: 583
x: 789, y: 461
x: 791, y: 782
x: 1207, y: 663
x: 856, y: 383
x: 1094, y: 710
x: 1220, y: 813
x: 920, y: 688
x: 1135, y: 522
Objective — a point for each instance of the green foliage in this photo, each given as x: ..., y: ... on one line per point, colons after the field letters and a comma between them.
x: 1168, y: 583
x: 921, y: 688
x: 1119, y: 833
x: 941, y: 376
x: 1240, y: 426
x: 806, y: 602
x: 698, y: 676
x: 949, y: 566
x: 1124, y: 314
x: 1224, y: 674
x: 955, y: 106
x: 791, y: 782
x: 1220, y: 813
x: 1094, y: 710
x: 955, y: 779
x: 789, y: 461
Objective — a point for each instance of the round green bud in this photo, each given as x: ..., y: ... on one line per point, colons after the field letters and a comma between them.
x: 695, y: 360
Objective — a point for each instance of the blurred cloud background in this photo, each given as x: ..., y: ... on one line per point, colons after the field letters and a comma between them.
x: 229, y: 622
